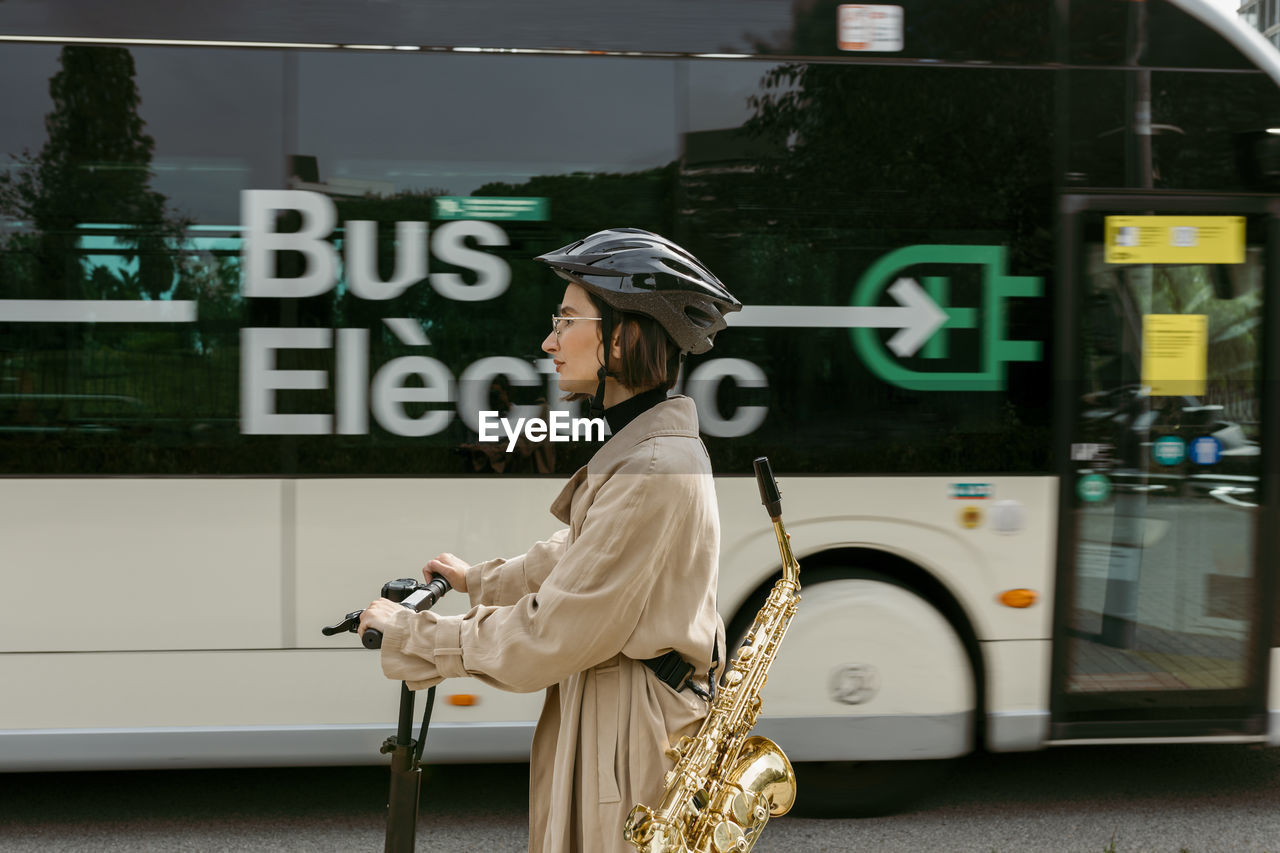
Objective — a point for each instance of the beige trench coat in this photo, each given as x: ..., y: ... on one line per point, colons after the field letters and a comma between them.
x: 631, y: 577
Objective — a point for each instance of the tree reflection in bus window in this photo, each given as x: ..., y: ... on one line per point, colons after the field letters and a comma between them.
x: 1164, y: 580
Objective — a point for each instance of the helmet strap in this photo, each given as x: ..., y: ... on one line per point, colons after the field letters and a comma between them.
x: 675, y: 363
x: 597, y: 402
x: 606, y: 338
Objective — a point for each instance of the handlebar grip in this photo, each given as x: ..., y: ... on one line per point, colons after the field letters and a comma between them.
x: 426, y: 596
x: 437, y: 588
x: 424, y: 599
x: 769, y: 494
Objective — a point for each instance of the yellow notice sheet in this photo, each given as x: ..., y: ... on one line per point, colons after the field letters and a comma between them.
x: 1175, y: 240
x: 1175, y: 354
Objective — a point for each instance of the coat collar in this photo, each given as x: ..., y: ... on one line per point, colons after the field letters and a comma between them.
x: 674, y: 416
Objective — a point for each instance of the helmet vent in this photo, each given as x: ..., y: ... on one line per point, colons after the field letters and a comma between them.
x: 682, y: 269
x: 700, y: 317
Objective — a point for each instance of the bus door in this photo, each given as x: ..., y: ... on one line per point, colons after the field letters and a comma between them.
x: 1162, y: 627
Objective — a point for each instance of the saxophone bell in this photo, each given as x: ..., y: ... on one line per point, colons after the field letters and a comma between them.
x: 760, y: 785
x: 764, y: 771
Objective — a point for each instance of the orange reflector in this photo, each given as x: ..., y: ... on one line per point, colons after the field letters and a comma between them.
x: 462, y: 700
x: 1018, y: 597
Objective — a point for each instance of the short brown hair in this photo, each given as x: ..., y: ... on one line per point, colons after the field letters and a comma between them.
x: 649, y: 356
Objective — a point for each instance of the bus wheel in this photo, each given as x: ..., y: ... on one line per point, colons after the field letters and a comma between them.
x: 872, y: 693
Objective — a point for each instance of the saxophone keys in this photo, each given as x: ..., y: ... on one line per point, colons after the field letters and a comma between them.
x: 728, y: 837
x: 638, y: 829
x: 701, y: 799
x: 745, y: 807
x: 680, y: 748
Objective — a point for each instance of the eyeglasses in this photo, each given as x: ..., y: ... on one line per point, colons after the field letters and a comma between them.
x: 559, y: 323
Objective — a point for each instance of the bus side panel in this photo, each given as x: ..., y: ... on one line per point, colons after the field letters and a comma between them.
x: 353, y: 535
x: 81, y: 556
x: 915, y: 518
x: 235, y: 708
x: 965, y: 543
x: 1273, y: 700
x: 1017, y: 694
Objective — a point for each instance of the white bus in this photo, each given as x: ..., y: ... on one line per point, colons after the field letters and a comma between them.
x: 1015, y: 367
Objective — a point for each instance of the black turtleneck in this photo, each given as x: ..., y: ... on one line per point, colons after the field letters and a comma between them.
x: 631, y: 408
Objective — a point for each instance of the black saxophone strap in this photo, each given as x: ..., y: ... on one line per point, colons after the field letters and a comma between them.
x: 677, y: 673
x: 671, y: 669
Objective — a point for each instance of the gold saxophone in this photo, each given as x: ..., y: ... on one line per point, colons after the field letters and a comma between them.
x: 725, y: 785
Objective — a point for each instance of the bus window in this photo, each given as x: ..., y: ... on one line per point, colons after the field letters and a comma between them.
x: 1166, y: 474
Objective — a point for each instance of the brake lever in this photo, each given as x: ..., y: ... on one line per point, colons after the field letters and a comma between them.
x: 409, y: 593
x: 350, y: 624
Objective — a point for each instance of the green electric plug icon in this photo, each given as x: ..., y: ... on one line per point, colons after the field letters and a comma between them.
x: 997, y: 289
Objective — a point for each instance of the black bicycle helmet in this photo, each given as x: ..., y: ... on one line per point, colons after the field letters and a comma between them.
x: 642, y: 272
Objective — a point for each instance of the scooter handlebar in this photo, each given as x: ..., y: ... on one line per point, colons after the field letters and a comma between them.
x: 424, y: 597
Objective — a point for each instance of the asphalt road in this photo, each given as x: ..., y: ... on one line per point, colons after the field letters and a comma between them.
x: 1193, y: 798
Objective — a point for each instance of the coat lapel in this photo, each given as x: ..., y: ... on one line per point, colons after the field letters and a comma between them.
x: 561, y: 506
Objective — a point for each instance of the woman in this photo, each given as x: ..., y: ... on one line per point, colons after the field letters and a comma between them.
x: 614, y: 615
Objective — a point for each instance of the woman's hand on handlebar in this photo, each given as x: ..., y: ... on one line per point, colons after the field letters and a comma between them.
x: 378, y: 615
x: 451, y: 567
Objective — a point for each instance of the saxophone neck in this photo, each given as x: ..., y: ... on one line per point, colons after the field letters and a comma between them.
x: 790, y: 567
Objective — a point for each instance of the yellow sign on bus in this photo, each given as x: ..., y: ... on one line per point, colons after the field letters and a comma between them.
x: 1175, y: 240
x: 1175, y: 354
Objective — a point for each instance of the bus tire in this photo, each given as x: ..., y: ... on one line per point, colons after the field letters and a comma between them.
x: 873, y: 673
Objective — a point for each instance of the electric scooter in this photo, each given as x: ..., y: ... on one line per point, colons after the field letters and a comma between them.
x: 406, y: 753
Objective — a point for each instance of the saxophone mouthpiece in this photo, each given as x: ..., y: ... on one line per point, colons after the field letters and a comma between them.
x: 769, y: 494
